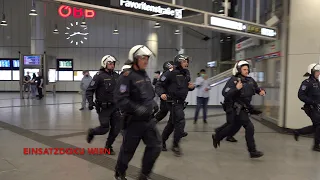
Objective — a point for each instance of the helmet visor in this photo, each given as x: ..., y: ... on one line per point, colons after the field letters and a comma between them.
x: 316, y: 67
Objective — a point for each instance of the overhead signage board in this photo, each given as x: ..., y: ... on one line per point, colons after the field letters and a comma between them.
x: 162, y: 11
x: 242, y: 26
x: 246, y: 44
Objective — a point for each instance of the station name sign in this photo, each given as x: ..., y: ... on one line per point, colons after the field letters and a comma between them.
x: 244, y: 27
x: 158, y: 9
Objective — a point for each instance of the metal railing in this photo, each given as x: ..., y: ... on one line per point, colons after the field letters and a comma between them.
x: 220, y: 78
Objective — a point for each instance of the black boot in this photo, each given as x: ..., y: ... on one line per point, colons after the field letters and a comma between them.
x: 296, y: 135
x: 184, y: 134
x: 176, y: 150
x: 316, y: 148
x: 118, y: 176
x: 231, y: 139
x: 164, y: 146
x: 143, y: 177
x: 110, y: 150
x: 256, y: 154
x: 90, y: 135
x: 215, y: 142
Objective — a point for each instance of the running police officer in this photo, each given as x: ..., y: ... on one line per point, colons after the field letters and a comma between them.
x: 238, y: 94
x: 173, y: 87
x: 103, y: 84
x: 309, y: 93
x: 167, y: 66
x: 134, y: 94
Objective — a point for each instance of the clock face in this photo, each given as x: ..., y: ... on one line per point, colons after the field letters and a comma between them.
x: 76, y: 34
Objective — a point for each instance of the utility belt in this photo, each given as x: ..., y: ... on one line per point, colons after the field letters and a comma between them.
x: 308, y: 109
x: 127, y: 119
x: 103, y: 105
x: 175, y: 101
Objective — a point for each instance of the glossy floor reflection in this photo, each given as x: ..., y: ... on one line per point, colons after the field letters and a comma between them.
x: 57, y: 122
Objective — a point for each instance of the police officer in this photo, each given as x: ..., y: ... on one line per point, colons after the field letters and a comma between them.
x: 238, y: 94
x: 134, y: 94
x: 167, y: 66
x: 309, y: 93
x: 103, y: 84
x: 173, y: 87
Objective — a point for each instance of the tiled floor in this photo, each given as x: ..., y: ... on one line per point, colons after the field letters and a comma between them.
x: 57, y: 122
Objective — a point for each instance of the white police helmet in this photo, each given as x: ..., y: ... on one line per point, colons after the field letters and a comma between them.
x: 125, y: 67
x: 313, y: 67
x: 107, y: 59
x: 238, y: 65
x: 138, y: 50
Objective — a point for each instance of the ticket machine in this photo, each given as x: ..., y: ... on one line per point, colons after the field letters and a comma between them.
x: 32, y: 63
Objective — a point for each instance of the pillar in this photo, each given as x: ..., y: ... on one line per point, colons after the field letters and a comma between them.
x: 180, y: 36
x: 38, y: 30
x: 258, y: 11
x: 152, y: 43
x: 301, y: 48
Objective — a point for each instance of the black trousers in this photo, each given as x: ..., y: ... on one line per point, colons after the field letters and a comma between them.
x: 315, y: 128
x: 40, y: 93
x: 240, y: 120
x: 109, y: 120
x: 230, y: 116
x: 163, y: 111
x: 134, y: 132
x: 176, y: 123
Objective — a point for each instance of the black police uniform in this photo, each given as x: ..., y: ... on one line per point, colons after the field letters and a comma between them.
x: 175, y: 85
x: 238, y: 106
x: 134, y: 94
x: 103, y: 84
x: 309, y: 93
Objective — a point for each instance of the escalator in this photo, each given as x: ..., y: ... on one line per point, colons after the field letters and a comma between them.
x: 220, y: 78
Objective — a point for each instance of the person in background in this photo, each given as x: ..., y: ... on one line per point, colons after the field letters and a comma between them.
x: 156, y: 77
x: 85, y: 82
x: 33, y: 86
x: 26, y: 84
x: 203, y: 86
x: 39, y: 85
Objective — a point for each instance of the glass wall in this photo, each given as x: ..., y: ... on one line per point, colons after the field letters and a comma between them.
x: 268, y: 77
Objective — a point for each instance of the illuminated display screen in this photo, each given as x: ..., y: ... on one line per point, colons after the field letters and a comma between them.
x: 32, y: 60
x: 16, y: 63
x: 65, y: 64
x: 5, y: 64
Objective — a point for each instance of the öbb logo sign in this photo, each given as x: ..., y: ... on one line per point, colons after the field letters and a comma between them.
x: 66, y: 11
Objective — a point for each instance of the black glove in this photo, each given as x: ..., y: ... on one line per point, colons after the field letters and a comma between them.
x: 144, y: 111
x: 91, y: 106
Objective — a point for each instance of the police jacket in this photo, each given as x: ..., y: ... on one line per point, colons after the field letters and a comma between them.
x: 103, y: 84
x: 309, y: 91
x: 174, y: 83
x: 243, y: 95
x: 134, y: 89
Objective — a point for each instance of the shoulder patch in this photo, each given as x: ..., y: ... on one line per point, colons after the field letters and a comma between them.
x: 227, y: 89
x: 303, y: 87
x: 92, y: 83
x: 97, y: 73
x: 163, y: 78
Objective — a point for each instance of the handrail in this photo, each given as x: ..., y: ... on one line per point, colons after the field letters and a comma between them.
x: 219, y: 82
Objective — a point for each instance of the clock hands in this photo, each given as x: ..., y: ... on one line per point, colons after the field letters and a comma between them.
x: 79, y: 33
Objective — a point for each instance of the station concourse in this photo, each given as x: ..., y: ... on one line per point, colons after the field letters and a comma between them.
x: 53, y: 42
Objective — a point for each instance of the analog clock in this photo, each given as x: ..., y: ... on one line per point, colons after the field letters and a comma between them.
x: 76, y: 33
